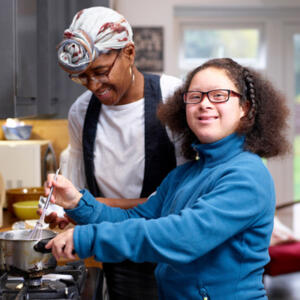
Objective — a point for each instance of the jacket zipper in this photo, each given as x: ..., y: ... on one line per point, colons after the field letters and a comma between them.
x: 204, y: 294
x: 197, y: 156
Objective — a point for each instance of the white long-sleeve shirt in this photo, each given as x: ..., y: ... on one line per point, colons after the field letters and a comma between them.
x: 119, y: 152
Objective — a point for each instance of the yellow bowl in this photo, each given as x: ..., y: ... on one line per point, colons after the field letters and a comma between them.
x: 26, y: 210
x: 22, y: 194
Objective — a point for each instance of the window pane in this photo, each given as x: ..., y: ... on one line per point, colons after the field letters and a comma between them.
x: 297, y: 118
x: 235, y: 43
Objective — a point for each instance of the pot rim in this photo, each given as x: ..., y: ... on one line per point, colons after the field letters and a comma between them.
x: 4, y: 235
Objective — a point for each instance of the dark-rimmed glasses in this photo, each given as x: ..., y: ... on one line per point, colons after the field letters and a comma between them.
x: 102, y: 77
x: 214, y: 96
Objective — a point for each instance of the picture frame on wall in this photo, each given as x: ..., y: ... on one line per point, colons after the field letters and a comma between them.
x: 149, y: 48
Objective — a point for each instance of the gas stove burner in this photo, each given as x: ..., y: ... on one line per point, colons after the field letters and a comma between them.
x: 34, y: 282
x: 29, y: 275
x: 66, y: 282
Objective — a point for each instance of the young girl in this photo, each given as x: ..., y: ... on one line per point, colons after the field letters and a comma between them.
x: 208, y: 225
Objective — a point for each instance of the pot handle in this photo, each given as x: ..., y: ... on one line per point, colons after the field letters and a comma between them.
x: 40, y: 246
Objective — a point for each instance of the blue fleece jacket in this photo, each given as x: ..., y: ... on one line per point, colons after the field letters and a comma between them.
x: 207, y: 226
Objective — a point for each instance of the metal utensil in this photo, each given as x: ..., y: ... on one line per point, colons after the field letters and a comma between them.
x: 37, y: 231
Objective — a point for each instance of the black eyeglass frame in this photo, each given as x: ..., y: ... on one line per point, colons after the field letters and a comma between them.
x: 79, y: 79
x: 208, y: 93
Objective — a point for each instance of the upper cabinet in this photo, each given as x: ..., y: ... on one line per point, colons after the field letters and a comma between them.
x: 31, y: 82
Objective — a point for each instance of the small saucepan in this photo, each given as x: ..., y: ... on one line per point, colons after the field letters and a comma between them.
x: 20, y: 255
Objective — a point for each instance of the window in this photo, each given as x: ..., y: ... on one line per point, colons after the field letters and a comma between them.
x: 200, y: 43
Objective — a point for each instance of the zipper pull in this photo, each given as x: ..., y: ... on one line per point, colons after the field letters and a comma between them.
x: 197, y: 157
x: 204, y: 294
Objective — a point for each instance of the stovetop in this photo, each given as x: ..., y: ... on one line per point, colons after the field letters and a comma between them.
x: 66, y: 282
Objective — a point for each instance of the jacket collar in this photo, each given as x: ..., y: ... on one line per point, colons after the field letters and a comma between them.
x: 220, y: 151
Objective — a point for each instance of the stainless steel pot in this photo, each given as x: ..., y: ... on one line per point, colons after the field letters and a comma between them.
x: 22, y: 256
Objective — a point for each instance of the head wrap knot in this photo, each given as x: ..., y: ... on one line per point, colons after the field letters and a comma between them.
x: 93, y: 31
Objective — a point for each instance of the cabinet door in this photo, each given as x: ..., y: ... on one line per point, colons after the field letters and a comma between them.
x: 25, y: 56
x: 7, y: 50
x: 56, y: 92
x: 31, y: 82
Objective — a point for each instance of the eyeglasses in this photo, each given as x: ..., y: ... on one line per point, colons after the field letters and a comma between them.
x: 214, y: 96
x: 102, y: 77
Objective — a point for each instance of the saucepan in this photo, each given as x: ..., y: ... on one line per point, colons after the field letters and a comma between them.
x: 20, y: 255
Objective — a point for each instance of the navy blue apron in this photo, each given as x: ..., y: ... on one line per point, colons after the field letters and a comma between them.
x: 128, y: 280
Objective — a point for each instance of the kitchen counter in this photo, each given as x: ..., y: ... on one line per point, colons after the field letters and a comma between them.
x: 9, y: 219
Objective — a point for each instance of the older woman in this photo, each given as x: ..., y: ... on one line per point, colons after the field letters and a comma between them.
x: 118, y: 148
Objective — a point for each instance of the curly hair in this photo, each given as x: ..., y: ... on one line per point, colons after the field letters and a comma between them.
x: 264, y: 125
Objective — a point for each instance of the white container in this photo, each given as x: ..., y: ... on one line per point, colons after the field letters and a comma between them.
x: 22, y: 163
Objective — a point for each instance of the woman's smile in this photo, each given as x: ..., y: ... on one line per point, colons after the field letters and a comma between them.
x: 105, y: 95
x: 103, y: 92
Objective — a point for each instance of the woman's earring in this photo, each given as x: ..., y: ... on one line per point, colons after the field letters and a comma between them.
x: 131, y: 74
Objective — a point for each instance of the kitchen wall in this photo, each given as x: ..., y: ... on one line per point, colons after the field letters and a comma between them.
x: 161, y: 13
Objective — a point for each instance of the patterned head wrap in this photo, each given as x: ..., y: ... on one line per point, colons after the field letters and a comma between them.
x: 93, y: 31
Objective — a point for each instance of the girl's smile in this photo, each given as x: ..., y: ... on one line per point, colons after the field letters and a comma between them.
x: 207, y: 118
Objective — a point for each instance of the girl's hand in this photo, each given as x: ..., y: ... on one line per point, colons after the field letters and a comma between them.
x: 64, y: 193
x: 62, y: 245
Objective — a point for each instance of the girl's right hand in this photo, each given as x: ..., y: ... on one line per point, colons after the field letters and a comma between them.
x: 64, y: 193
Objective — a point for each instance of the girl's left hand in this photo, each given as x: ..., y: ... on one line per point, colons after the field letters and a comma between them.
x: 62, y: 245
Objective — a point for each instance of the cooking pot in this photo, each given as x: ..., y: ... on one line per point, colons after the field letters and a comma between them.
x: 20, y: 255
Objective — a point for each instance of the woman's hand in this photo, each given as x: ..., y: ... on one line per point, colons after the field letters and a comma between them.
x: 54, y: 220
x: 62, y: 245
x: 64, y: 193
